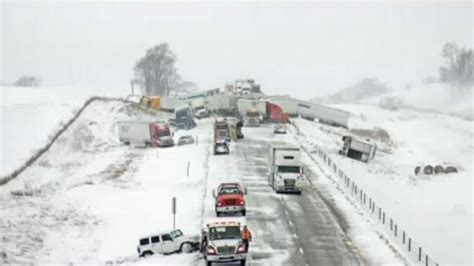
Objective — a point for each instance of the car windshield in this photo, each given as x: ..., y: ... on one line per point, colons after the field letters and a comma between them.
x: 289, y: 169
x: 229, y: 190
x: 224, y: 232
x: 176, y: 233
x: 222, y: 133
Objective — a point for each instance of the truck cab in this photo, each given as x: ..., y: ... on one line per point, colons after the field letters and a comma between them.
x: 184, y: 118
x: 161, y: 135
x: 222, y: 243
x: 230, y: 199
x: 221, y: 130
x: 285, y: 168
x: 252, y: 118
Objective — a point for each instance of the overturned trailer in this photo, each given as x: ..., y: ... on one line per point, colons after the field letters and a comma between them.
x: 363, y: 151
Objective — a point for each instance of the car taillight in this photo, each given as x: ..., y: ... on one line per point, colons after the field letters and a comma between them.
x: 211, y: 250
x: 219, y: 204
x: 242, y: 202
x: 241, y: 249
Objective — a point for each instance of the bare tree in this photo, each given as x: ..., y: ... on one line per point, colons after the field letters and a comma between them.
x: 27, y: 81
x: 156, y: 71
x: 458, y: 65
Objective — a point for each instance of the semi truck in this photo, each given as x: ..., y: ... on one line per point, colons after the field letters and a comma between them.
x: 252, y: 118
x: 154, y: 134
x: 184, y: 118
x: 285, y: 168
x: 360, y: 150
x: 221, y: 130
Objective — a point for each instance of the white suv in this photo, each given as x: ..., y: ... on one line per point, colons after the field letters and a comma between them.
x: 167, y: 243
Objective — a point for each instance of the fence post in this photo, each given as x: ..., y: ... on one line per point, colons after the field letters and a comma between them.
x: 391, y: 224
x: 383, y: 220
x: 380, y: 213
x: 419, y: 254
x: 373, y: 207
x: 409, y: 244
x: 403, y: 237
x: 426, y: 260
x: 365, y: 198
x: 396, y: 228
x: 187, y: 170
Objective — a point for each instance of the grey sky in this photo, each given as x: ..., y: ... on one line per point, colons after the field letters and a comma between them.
x: 305, y: 49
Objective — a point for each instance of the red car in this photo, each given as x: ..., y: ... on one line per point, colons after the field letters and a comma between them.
x: 230, y: 198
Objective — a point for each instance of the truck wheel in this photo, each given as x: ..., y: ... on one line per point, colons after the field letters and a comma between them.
x: 147, y: 253
x: 208, y: 263
x: 186, y: 248
x: 218, y: 214
x: 244, y: 212
x: 242, y: 262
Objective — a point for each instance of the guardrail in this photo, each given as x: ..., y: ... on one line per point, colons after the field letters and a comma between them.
x: 374, y: 210
x: 5, y: 179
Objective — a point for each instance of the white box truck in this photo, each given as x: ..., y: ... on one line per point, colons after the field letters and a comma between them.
x: 363, y: 151
x: 285, y: 168
x: 143, y: 133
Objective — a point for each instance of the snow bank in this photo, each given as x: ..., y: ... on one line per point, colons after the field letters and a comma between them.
x: 435, y: 210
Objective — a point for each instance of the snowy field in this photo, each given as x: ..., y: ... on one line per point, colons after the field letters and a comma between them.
x: 435, y: 210
x: 29, y: 115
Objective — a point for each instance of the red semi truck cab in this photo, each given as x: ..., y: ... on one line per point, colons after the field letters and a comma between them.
x: 161, y: 135
x: 230, y: 198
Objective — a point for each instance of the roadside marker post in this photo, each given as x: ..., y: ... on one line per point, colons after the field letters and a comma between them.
x: 173, y: 211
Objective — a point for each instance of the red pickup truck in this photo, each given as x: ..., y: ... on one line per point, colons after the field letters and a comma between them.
x: 230, y: 198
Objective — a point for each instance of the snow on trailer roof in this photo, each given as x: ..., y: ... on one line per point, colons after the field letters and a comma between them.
x: 222, y: 223
x: 283, y: 146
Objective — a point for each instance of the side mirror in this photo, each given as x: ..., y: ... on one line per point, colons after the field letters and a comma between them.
x: 245, y: 191
x: 214, y: 193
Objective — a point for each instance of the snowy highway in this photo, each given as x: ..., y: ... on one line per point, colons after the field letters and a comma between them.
x: 102, y: 197
x: 288, y: 229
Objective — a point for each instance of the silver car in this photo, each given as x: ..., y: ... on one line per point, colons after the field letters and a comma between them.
x: 183, y: 140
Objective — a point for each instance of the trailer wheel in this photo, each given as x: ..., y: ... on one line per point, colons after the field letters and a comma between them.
x: 428, y: 170
x: 438, y: 169
x: 450, y: 169
x: 417, y: 170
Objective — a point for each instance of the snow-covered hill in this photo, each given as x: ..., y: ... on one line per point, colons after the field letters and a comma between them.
x: 436, y: 210
x: 28, y: 116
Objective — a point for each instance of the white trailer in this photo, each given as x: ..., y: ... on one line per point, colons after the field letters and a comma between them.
x: 363, y: 151
x: 285, y: 168
x: 134, y: 132
x: 324, y: 114
x: 289, y: 106
x: 219, y: 102
x: 170, y: 103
